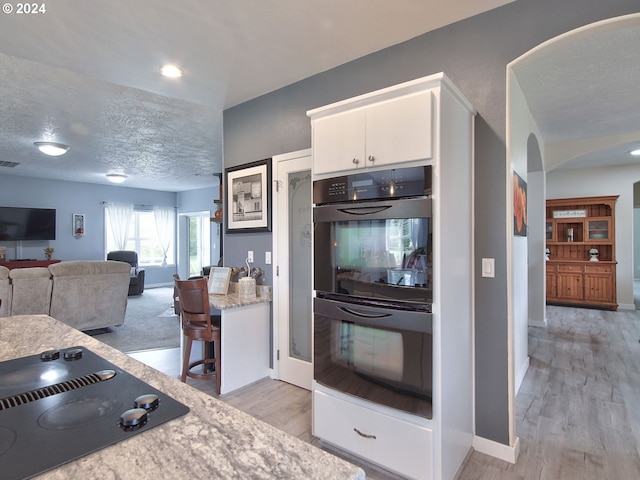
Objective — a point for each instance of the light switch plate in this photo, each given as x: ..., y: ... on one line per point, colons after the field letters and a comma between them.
x: 489, y: 267
x: 267, y: 258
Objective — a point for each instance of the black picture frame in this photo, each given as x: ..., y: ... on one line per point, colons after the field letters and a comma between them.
x: 248, y: 197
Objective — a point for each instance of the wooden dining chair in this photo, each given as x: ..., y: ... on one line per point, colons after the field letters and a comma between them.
x: 198, y: 324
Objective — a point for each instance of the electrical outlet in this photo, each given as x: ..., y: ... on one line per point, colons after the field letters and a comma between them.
x: 250, y: 256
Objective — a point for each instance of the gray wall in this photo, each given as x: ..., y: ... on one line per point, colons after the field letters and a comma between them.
x: 474, y: 54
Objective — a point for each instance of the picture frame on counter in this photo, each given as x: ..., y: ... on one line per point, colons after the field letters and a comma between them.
x: 219, y: 280
x: 248, y: 202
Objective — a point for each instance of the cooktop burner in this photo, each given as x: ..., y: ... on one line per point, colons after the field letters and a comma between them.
x: 63, y: 404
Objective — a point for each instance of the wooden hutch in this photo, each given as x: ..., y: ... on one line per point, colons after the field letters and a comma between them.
x: 574, y: 228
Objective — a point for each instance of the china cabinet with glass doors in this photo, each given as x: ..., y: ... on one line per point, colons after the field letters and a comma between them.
x: 580, y: 242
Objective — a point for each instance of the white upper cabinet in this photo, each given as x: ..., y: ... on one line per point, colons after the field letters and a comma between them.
x: 389, y: 132
x: 339, y: 142
x: 399, y: 130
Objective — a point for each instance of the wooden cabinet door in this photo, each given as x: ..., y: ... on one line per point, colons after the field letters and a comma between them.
x: 400, y: 130
x: 338, y: 142
x: 569, y: 286
x: 552, y: 287
x: 599, y: 288
x: 598, y: 230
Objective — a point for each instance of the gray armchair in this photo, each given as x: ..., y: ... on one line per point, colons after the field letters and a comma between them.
x: 136, y: 282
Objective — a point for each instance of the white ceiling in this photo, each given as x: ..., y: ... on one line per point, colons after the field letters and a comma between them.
x: 86, y: 74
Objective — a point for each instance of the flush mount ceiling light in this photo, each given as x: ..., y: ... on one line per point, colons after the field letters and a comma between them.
x: 52, y: 148
x: 116, y: 177
x: 171, y: 71
x: 636, y: 152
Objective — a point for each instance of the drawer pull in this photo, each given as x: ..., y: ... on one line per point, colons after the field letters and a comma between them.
x: 363, y: 434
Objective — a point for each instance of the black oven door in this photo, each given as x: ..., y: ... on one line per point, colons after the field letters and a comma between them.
x: 378, y: 249
x: 383, y: 355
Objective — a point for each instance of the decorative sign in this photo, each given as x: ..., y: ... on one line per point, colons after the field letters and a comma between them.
x: 569, y: 213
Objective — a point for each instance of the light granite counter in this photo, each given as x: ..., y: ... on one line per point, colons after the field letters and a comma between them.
x: 233, y: 300
x: 213, y: 441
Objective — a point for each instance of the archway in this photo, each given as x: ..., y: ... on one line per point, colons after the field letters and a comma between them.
x: 533, y: 151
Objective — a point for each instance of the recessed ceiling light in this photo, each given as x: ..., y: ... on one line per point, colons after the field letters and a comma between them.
x: 636, y: 152
x: 116, y: 177
x: 52, y: 148
x: 171, y: 71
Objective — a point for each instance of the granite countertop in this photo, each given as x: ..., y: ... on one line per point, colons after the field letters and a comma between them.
x: 214, y: 440
x: 233, y: 300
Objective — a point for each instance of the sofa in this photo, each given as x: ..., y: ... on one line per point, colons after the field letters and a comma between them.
x: 136, y: 280
x: 86, y: 295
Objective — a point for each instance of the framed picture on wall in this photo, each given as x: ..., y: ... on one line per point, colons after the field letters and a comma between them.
x: 78, y: 224
x: 248, y: 197
x: 519, y: 206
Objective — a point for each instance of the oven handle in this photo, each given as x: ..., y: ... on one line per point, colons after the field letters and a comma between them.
x: 363, y: 314
x: 364, y: 210
x: 385, y: 210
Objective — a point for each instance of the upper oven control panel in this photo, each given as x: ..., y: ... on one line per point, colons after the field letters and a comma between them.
x: 378, y: 185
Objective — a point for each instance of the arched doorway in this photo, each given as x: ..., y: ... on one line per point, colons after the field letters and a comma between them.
x: 553, y: 99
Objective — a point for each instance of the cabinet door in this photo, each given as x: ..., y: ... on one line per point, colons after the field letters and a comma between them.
x: 549, y: 231
x: 400, y: 130
x: 338, y: 142
x: 598, y: 229
x: 569, y: 286
x: 552, y: 286
x: 599, y: 288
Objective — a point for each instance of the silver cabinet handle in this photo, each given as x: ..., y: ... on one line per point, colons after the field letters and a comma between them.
x: 372, y: 158
x: 365, y: 435
x: 356, y: 161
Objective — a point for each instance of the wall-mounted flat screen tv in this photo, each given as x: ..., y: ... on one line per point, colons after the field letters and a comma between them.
x: 18, y: 224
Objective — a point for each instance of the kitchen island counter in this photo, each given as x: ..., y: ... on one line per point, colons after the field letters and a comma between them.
x: 214, y: 440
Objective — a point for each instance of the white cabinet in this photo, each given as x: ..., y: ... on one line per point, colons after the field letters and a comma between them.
x: 426, y: 121
x: 388, y: 132
x: 338, y: 142
x: 393, y: 443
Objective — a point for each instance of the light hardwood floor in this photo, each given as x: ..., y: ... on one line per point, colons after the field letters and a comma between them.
x: 577, y: 412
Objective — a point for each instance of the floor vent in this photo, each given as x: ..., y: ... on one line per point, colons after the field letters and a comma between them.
x: 8, y: 164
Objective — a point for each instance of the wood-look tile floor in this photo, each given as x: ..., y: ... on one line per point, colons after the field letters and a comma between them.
x: 577, y: 412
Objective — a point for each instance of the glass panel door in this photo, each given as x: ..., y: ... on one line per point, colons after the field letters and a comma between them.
x: 299, y: 192
x: 198, y: 243
x: 292, y: 307
x: 598, y: 229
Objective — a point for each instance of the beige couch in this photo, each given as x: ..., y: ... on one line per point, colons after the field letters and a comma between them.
x: 83, y: 294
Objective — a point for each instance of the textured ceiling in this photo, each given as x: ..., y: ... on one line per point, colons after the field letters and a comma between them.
x: 87, y: 74
x: 583, y: 89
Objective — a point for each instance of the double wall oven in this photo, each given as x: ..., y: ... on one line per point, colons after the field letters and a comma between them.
x: 373, y: 282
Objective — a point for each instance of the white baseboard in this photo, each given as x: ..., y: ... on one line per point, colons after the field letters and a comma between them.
x: 497, y: 450
x: 626, y: 306
x: 521, y: 374
x: 538, y: 323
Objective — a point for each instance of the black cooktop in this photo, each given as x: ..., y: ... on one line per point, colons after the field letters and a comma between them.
x: 63, y: 404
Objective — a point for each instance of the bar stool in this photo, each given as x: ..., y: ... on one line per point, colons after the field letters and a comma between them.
x: 198, y: 324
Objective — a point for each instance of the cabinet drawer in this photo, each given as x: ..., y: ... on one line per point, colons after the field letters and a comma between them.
x: 394, y: 444
x: 598, y: 268
x: 567, y: 267
x: 551, y: 268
